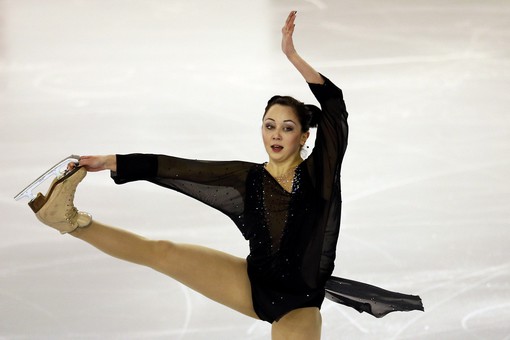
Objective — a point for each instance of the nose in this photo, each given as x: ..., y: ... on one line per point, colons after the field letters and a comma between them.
x: 277, y: 135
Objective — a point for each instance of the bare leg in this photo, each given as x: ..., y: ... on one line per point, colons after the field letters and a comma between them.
x: 217, y: 275
x: 299, y: 324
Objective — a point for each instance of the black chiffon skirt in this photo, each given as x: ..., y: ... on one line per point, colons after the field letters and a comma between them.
x: 370, y: 299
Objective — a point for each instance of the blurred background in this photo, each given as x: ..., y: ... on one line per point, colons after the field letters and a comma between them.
x: 426, y: 183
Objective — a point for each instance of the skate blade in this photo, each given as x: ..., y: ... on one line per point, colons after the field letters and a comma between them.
x: 58, y: 170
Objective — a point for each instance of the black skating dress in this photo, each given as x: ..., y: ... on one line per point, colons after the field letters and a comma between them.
x: 292, y: 235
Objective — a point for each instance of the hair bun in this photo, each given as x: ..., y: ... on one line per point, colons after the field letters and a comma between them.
x: 315, y: 114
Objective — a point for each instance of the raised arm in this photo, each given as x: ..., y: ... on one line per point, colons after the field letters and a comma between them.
x: 307, y: 71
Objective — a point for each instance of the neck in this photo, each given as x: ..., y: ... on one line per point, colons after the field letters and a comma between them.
x: 278, y: 169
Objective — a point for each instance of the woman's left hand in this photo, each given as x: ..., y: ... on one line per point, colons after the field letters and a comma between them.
x: 287, y: 32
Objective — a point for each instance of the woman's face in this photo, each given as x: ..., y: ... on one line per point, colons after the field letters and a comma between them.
x: 282, y: 135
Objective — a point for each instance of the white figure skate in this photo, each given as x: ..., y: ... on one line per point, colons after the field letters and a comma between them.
x: 59, y: 170
x: 57, y: 209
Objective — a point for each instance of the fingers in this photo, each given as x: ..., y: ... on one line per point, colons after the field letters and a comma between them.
x: 84, y: 161
x: 91, y: 163
x: 291, y: 17
x: 71, y: 166
x: 289, y: 23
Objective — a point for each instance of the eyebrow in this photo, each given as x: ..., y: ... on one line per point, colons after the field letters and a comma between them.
x: 285, y: 121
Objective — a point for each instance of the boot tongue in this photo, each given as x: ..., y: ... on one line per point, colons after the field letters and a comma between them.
x: 84, y: 219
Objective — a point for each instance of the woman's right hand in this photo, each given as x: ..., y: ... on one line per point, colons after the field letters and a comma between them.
x: 99, y: 163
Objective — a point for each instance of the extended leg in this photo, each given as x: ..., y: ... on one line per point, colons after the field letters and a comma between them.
x: 217, y: 275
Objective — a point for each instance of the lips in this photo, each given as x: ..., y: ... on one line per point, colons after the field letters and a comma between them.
x: 276, y: 148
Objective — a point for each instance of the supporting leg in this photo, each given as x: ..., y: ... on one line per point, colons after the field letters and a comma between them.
x: 299, y: 324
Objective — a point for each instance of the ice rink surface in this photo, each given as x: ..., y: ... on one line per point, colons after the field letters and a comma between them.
x: 426, y: 177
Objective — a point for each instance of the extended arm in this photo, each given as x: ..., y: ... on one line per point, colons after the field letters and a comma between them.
x: 308, y: 72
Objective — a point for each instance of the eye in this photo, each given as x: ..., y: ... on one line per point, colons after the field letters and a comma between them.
x: 269, y: 126
x: 288, y: 128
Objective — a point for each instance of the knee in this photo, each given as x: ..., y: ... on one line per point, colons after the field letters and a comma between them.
x: 162, y: 252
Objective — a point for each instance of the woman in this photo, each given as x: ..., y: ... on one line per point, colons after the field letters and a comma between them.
x: 288, y: 208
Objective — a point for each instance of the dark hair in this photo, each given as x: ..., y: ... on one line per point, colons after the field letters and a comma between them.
x: 308, y: 114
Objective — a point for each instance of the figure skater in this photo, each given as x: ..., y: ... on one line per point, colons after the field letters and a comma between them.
x: 287, y: 208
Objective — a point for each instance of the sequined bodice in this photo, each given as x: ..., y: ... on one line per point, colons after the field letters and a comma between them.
x: 275, y: 201
x: 279, y: 222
